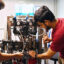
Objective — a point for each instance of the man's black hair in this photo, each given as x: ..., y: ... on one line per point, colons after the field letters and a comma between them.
x: 43, y: 13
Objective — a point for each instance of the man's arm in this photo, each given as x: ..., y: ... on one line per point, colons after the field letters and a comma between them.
x: 5, y: 56
x: 45, y: 55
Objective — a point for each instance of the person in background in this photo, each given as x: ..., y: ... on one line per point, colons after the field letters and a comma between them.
x: 27, y: 17
x: 5, y: 56
x: 44, y: 16
x: 2, y: 5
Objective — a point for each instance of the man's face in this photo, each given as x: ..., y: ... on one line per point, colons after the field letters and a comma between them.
x: 43, y: 25
x: 47, y: 27
x: 1, y: 4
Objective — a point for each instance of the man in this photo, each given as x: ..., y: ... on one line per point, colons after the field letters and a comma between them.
x: 5, y: 56
x: 43, y: 16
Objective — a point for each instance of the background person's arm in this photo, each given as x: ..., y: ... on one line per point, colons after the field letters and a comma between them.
x: 5, y: 56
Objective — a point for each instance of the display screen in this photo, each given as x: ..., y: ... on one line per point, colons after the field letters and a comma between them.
x: 25, y: 10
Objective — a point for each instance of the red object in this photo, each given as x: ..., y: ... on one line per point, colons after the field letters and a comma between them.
x: 32, y: 61
x: 14, y: 63
x: 57, y: 44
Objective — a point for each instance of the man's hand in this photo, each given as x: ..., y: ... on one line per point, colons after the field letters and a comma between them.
x: 32, y: 53
x: 46, y: 39
x: 18, y: 55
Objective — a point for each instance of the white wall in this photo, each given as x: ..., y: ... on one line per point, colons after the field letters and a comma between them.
x: 10, y: 10
x: 60, y: 8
